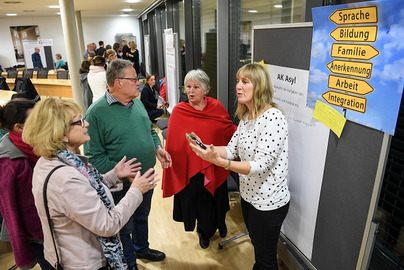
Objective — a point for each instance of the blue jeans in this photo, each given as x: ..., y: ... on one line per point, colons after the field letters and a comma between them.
x: 135, y: 234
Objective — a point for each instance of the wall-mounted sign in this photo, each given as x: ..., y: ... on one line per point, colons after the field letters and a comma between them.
x: 357, y: 61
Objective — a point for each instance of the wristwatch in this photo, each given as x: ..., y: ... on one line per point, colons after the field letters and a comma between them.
x: 158, y: 146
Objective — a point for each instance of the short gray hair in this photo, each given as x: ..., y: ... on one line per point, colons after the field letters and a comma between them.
x: 200, y: 76
x: 116, y: 69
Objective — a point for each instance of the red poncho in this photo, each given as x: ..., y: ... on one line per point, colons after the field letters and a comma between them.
x: 213, y: 126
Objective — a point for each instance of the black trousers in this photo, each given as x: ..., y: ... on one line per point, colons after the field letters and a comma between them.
x: 196, y: 203
x: 264, y: 228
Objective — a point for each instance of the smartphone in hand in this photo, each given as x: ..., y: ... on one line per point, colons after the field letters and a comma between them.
x: 197, y: 142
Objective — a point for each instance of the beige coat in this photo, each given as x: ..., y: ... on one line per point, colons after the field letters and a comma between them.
x: 78, y: 214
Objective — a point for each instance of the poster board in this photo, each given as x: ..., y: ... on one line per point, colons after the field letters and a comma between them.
x: 44, y: 46
x: 171, y: 60
x: 328, y: 181
x: 147, y: 53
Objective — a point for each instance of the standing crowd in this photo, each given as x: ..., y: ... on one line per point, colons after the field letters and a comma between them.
x: 90, y: 210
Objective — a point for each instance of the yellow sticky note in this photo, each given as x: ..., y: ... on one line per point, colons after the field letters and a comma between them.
x: 329, y: 117
x: 262, y: 63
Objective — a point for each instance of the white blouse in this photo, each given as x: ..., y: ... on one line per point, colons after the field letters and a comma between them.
x: 264, y: 143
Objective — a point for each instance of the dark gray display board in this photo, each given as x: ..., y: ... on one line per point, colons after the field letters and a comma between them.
x: 351, y: 163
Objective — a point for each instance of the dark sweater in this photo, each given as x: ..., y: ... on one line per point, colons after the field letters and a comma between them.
x: 148, y: 98
x: 117, y: 131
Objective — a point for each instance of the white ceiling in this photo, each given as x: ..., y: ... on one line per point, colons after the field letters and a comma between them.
x: 88, y: 8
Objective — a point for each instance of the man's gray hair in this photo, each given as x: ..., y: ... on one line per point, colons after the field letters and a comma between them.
x: 116, y: 69
x: 200, y: 76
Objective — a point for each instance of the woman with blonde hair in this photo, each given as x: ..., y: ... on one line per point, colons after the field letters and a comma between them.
x: 110, y: 55
x: 85, y: 221
x: 133, y: 56
x: 261, y: 143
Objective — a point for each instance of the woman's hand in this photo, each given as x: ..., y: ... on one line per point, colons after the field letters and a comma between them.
x: 210, y: 154
x: 127, y: 169
x: 145, y: 182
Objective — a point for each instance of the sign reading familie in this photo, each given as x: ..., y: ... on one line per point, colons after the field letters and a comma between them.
x: 356, y: 66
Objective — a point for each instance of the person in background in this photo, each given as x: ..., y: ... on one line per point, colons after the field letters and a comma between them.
x: 110, y: 55
x: 183, y: 64
x: 149, y: 99
x: 133, y: 56
x: 101, y: 50
x: 17, y: 161
x: 117, y: 47
x: 86, y: 92
x: 261, y: 143
x: 199, y: 187
x: 94, y: 47
x: 96, y: 77
x: 81, y: 208
x: 89, y: 49
x: 60, y: 64
x: 91, y: 55
x: 36, y: 59
x: 125, y: 49
x: 107, y: 47
x: 163, y: 91
x: 119, y: 125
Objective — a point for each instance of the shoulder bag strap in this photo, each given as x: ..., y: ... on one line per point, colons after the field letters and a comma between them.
x: 45, y: 200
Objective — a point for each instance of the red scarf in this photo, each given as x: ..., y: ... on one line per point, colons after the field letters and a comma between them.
x: 16, y: 139
x: 213, y: 126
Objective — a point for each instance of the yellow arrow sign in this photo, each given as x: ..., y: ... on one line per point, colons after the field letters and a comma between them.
x: 345, y: 101
x: 355, y: 33
x: 359, y: 87
x: 354, y: 15
x: 353, y: 51
x: 352, y: 68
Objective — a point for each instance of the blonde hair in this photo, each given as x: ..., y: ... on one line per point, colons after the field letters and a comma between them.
x: 109, y: 52
x: 263, y: 92
x: 47, y: 124
x: 132, y: 45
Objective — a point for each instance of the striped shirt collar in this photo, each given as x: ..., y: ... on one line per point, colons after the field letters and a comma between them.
x: 111, y: 100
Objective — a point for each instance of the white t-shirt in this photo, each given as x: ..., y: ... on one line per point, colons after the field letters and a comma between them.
x: 264, y: 143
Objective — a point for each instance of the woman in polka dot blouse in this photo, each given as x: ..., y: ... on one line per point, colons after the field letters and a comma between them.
x: 261, y: 144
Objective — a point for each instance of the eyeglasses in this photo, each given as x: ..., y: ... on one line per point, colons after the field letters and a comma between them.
x: 79, y: 122
x: 132, y: 79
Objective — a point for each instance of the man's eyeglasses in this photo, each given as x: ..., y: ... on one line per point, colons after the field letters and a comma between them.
x: 132, y: 79
x: 79, y: 122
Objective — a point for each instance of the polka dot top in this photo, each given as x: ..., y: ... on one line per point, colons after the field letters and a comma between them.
x: 264, y: 143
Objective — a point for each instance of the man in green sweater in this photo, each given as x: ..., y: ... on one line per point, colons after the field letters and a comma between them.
x: 120, y: 126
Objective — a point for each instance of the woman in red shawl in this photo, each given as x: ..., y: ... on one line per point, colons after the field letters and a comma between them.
x: 199, y: 187
x: 17, y: 206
